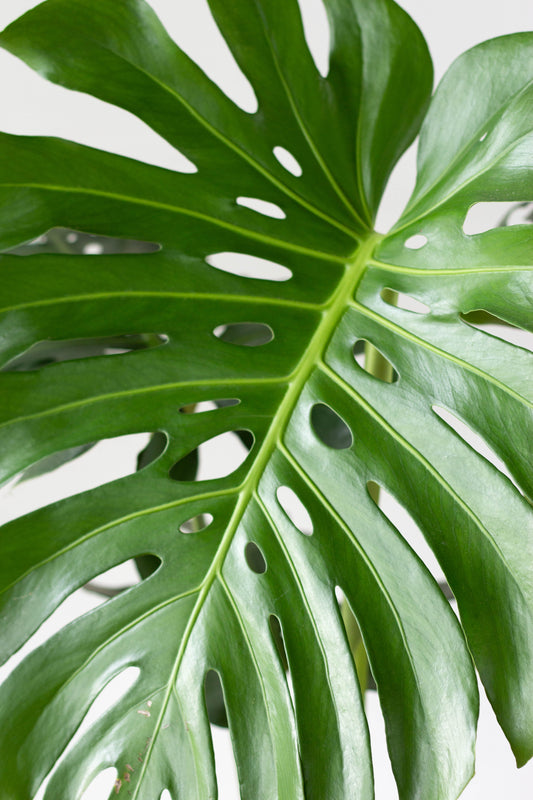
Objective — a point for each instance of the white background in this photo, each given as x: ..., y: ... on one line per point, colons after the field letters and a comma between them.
x: 29, y: 105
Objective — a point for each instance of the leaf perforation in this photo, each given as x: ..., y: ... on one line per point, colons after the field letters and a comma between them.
x: 428, y: 467
x: 464, y: 365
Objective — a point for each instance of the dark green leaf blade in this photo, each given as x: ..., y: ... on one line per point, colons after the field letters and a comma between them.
x: 210, y: 604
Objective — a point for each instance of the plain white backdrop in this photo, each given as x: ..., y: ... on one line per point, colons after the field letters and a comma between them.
x: 29, y: 105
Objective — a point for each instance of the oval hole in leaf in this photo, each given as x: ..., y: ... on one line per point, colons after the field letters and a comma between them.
x: 69, y: 472
x: 156, y: 446
x: 220, y: 735
x: 404, y: 301
x: 255, y: 558
x: 494, y: 326
x: 209, y: 405
x: 330, y: 428
x: 317, y: 32
x: 214, y: 699
x: 288, y: 161
x: 103, y: 784
x: 355, y: 642
x: 53, y: 351
x: 276, y: 632
x: 65, y: 241
x: 416, y: 241
x: 372, y: 360
x: 295, y: 509
x: 245, y: 334
x: 197, y: 523
x: 264, y: 207
x: 519, y: 214
x: 109, y: 696
x: 247, y: 266
x: 404, y: 523
x: 146, y: 564
x: 122, y: 576
x: 219, y: 457
x: 474, y: 440
x: 485, y: 216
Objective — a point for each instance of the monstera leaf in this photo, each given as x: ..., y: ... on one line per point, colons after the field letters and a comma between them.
x: 249, y: 562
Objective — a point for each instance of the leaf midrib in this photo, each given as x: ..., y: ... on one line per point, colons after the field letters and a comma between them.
x: 313, y: 352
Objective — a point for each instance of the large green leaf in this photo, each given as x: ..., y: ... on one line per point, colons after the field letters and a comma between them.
x: 321, y: 425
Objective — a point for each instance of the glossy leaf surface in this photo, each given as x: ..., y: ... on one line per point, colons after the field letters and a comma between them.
x: 232, y: 558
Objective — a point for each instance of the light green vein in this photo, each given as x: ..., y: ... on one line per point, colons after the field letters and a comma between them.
x: 87, y: 401
x: 423, y: 271
x: 245, y: 232
x: 113, y: 524
x: 459, y: 362
x: 196, y: 296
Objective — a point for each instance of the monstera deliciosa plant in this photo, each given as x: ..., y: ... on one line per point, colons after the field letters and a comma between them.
x: 248, y: 576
